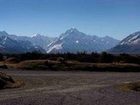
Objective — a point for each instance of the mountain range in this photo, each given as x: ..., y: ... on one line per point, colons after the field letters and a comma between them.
x: 70, y: 41
x: 36, y: 40
x: 75, y: 41
x: 10, y: 45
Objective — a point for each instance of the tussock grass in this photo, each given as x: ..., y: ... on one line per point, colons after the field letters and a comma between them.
x: 73, y: 65
x: 134, y: 86
x: 7, y: 81
x: 36, y: 64
x: 12, y: 60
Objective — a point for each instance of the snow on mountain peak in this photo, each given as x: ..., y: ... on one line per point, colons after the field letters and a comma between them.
x: 37, y: 35
x: 131, y: 39
x: 55, y: 47
x: 75, y: 41
x: 71, y: 30
x: 4, y: 40
x: 3, y: 33
x: 71, y: 33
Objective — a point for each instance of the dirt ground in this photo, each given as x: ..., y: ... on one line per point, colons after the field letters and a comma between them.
x: 70, y: 88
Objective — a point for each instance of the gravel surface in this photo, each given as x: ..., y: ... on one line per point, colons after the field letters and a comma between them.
x: 70, y: 88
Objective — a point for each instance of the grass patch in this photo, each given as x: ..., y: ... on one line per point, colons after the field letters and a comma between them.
x: 130, y: 86
x: 7, y: 81
x: 36, y: 64
x: 73, y: 65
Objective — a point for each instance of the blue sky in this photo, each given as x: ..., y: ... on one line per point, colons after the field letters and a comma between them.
x: 116, y: 18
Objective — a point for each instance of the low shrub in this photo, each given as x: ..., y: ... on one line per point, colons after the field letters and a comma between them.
x: 131, y: 86
x: 7, y: 81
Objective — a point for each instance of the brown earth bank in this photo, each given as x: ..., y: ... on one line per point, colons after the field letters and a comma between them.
x: 71, y: 88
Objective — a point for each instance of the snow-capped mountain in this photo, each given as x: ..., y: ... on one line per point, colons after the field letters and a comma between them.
x: 130, y: 44
x: 75, y: 41
x: 41, y: 40
x: 9, y: 45
x: 3, y: 33
x: 71, y: 41
x: 36, y: 40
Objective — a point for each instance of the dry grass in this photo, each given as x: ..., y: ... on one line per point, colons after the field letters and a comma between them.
x: 7, y: 81
x: 35, y: 64
x: 74, y: 65
x: 130, y: 86
x: 12, y: 60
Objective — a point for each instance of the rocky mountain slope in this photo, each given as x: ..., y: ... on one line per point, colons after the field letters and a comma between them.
x: 130, y: 44
x: 75, y: 41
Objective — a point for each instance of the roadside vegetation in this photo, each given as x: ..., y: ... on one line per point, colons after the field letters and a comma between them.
x: 69, y: 61
x: 134, y: 86
x: 73, y: 65
x: 7, y: 81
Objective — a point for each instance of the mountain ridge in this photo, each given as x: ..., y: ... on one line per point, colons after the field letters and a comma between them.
x: 130, y: 44
x: 9, y: 45
x: 75, y: 41
x: 70, y: 41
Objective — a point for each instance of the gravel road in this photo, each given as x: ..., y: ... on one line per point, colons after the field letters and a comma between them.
x: 70, y: 88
